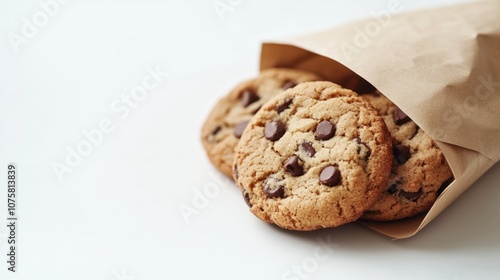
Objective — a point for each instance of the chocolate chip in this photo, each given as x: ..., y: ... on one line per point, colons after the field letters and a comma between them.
x: 401, y: 153
x: 330, y: 176
x: 212, y: 137
x: 400, y: 117
x: 216, y: 130
x: 288, y: 84
x: 235, y: 172
x: 325, y: 130
x: 239, y: 128
x: 392, y: 189
x: 444, y: 186
x: 308, y: 148
x: 274, y: 130
x: 413, y: 196
x: 292, y: 166
x: 246, y: 197
x: 273, y: 189
x: 363, y: 149
x: 284, y: 106
x: 248, y: 97
x: 395, y: 186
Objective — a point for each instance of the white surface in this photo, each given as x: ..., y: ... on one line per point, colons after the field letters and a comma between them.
x: 116, y: 215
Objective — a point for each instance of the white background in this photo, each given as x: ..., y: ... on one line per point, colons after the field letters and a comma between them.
x: 116, y: 214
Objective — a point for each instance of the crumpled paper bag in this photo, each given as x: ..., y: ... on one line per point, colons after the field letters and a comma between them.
x: 440, y: 66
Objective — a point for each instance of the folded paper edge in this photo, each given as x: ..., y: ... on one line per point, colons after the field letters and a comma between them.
x: 303, y: 53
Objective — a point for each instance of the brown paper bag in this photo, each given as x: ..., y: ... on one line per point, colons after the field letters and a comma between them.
x: 440, y: 66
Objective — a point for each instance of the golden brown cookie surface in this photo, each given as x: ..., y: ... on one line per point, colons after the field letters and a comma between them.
x: 315, y: 156
x: 228, y: 119
x: 419, y: 169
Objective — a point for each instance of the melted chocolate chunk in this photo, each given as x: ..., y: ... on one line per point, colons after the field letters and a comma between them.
x: 235, y: 172
x: 362, y: 147
x: 274, y: 130
x: 308, y: 148
x: 392, y: 189
x: 246, y: 197
x: 325, y: 130
x: 216, y: 130
x: 400, y: 117
x: 395, y: 186
x: 401, y: 153
x: 288, y: 84
x: 239, y: 128
x: 248, y: 97
x: 273, y: 189
x: 284, y: 106
x: 330, y: 176
x: 413, y: 196
x: 292, y: 166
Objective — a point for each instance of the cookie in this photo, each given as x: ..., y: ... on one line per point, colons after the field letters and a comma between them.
x: 315, y: 156
x: 419, y: 169
x: 225, y: 124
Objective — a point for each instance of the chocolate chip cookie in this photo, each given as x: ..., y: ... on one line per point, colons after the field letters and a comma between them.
x: 315, y: 156
x: 225, y: 124
x: 419, y: 169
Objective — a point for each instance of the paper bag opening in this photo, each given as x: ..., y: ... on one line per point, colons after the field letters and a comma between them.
x: 446, y: 78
